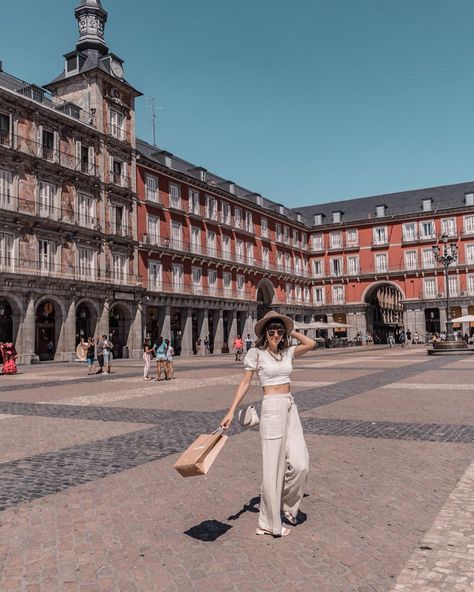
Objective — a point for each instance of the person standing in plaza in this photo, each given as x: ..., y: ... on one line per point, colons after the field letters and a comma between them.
x: 169, y: 360
x: 99, y: 348
x: 160, y: 348
x: 89, y: 348
x: 206, y: 345
x: 248, y: 342
x: 9, y: 357
x: 402, y: 338
x: 284, y: 451
x: 147, y: 355
x: 107, y: 349
x: 239, y: 348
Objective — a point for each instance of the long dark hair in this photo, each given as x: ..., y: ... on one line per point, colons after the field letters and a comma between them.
x: 262, y: 342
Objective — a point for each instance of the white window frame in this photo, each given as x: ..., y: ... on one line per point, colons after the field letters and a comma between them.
x: 336, y: 217
x: 195, y: 240
x: 469, y: 253
x: 427, y: 205
x: 86, y: 263
x: 240, y: 284
x: 248, y: 221
x: 238, y: 218
x: 448, y: 226
x: 196, y: 279
x: 153, y: 229
x: 380, y: 235
x: 407, y: 234
x: 318, y: 267
x: 422, y: 228
x: 335, y: 239
x: 338, y: 294
x: 317, y: 242
x: 175, y: 196
x: 211, y: 243
x: 352, y: 237
x: 239, y: 250
x: 278, y: 232
x: 155, y: 275
x: 470, y: 285
x: 453, y: 285
x: 336, y: 270
x: 47, y: 200
x: 428, y: 259
x: 381, y: 262
x: 86, y: 210
x: 468, y: 224
x: 226, y: 247
x: 119, y: 267
x: 353, y: 267
x: 316, y: 291
x: 227, y: 283
x: 226, y: 213
x: 7, y: 201
x: 194, y: 205
x: 211, y: 208
x: 177, y: 277
x: 264, y: 226
x: 212, y: 280
x: 7, y: 251
x: 411, y: 259
x: 152, y: 188
x: 430, y: 288
x: 117, y: 127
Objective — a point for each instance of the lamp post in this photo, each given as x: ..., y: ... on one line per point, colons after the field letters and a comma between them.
x: 446, y: 254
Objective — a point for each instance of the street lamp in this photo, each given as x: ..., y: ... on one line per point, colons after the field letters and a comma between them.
x: 446, y: 254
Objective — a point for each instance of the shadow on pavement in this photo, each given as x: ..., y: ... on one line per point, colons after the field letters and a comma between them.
x: 208, y: 531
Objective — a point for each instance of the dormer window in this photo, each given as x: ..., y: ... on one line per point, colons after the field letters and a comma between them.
x: 336, y: 217
x: 317, y: 219
x: 469, y: 199
x: 427, y: 205
x: 74, y: 63
x: 380, y: 211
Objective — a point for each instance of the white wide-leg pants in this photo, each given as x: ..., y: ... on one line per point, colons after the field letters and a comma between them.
x: 146, y: 365
x: 285, y: 461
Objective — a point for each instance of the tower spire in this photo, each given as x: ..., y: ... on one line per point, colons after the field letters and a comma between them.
x: 91, y: 18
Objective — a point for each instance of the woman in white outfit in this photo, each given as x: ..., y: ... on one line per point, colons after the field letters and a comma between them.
x: 284, y: 451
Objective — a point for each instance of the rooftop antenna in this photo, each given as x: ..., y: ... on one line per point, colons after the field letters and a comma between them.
x: 154, y: 118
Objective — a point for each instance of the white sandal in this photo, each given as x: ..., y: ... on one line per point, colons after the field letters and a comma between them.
x: 291, y: 519
x: 284, y: 532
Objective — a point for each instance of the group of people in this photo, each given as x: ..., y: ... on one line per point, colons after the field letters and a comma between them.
x: 100, y: 349
x: 9, y: 356
x: 163, y: 352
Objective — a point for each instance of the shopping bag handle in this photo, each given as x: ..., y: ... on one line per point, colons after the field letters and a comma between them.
x: 219, y: 430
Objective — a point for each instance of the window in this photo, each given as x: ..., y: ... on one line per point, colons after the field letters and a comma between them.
x: 264, y: 227
x: 428, y: 259
x: 353, y: 265
x: 335, y: 240
x: 196, y: 239
x: 85, y: 263
x: 177, y: 275
x: 175, y: 196
x: 249, y: 253
x: 295, y: 237
x: 470, y: 284
x: 298, y: 266
x: 427, y: 205
x: 118, y: 173
x: 335, y: 266
x: 240, y: 284
x: 286, y: 235
x: 118, y: 221
x: 287, y: 262
x: 85, y: 157
x: 6, y: 251
x: 380, y: 235
x: 298, y: 293
x: 469, y: 199
x: 380, y: 211
x: 338, y: 294
x: 196, y: 275
x: 211, y: 243
x: 306, y: 294
x: 289, y: 292
x: 470, y: 254
x: 117, y: 124
x: 318, y: 296
x: 429, y: 287
x: 265, y: 257
x: 239, y: 250
x: 227, y: 283
x: 336, y: 217
x: 119, y: 268
x: 155, y: 276
x: 86, y: 206
x: 47, y: 200
x: 279, y: 261
x: 212, y: 280
x: 211, y: 207
x: 153, y: 230
x: 411, y: 260
x: 49, y: 145
x: 427, y: 229
x: 304, y: 239
x: 468, y: 224
x: 226, y: 213
x: 380, y: 262
x: 46, y: 255
x: 352, y: 237
x: 453, y: 285
x: 318, y: 244
x: 176, y: 235
x: 317, y: 219
x: 194, y: 207
x: 6, y: 190
x: 5, y: 129
x: 238, y: 217
x: 409, y: 232
x: 226, y: 253
x: 448, y: 226
x: 278, y: 233
x: 151, y: 188
x: 318, y: 267
x: 248, y: 221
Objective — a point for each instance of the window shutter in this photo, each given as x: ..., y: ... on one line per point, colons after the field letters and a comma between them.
x: 91, y: 158
x: 39, y: 138
x: 56, y: 147
x: 78, y: 155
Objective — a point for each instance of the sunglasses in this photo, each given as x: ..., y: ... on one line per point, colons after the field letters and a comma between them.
x: 279, y: 332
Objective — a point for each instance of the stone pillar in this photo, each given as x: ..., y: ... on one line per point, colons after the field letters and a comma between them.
x: 250, y: 324
x: 186, y: 331
x: 103, y: 321
x: 26, y: 337
x: 465, y: 326
x: 330, y: 320
x: 219, y: 330
x: 164, y: 321
x: 353, y: 321
x: 136, y: 336
x: 203, y: 326
x: 442, y: 318
x: 66, y: 347
x: 232, y: 327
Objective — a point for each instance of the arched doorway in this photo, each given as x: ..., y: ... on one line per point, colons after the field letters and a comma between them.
x: 384, y: 312
x: 85, y: 322
x: 46, y: 338
x: 265, y: 297
x: 432, y: 320
x: 119, y: 329
x: 6, y: 321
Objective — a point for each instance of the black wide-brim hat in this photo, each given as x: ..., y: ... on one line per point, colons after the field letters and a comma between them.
x: 274, y: 316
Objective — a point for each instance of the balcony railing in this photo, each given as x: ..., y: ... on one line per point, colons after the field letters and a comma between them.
x: 50, y: 269
x: 31, y: 147
x: 118, y: 133
x: 123, y: 230
x: 195, y: 289
x: 120, y: 179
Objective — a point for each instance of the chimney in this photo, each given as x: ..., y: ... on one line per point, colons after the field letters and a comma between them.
x: 231, y: 187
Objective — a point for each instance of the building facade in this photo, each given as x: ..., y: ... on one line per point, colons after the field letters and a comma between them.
x: 104, y: 234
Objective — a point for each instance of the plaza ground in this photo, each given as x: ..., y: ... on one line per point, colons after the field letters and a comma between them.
x: 90, y: 502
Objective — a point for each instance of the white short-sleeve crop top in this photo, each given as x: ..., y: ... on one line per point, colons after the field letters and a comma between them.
x: 270, y: 370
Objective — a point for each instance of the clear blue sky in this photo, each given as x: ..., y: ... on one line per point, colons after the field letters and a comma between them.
x: 304, y: 102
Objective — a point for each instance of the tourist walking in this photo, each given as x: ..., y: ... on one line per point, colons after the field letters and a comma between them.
x: 239, y: 348
x: 248, y: 342
x: 169, y: 360
x: 402, y: 338
x: 99, y: 349
x: 206, y: 345
x: 108, y: 357
x: 9, y: 357
x: 160, y: 348
x: 408, y: 337
x: 284, y: 451
x: 89, y: 349
x: 391, y: 340
x: 147, y: 355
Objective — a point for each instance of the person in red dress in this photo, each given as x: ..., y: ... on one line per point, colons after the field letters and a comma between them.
x: 9, y: 355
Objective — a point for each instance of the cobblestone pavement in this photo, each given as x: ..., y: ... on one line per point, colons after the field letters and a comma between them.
x: 89, y: 500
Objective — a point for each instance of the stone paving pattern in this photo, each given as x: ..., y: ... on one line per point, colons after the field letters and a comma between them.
x: 89, y: 500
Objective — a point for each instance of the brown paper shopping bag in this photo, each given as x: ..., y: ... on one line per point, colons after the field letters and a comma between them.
x: 198, y: 458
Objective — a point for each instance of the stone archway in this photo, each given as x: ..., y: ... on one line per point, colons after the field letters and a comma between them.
x: 266, y: 297
x: 86, y: 320
x: 120, y: 323
x: 385, y: 310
